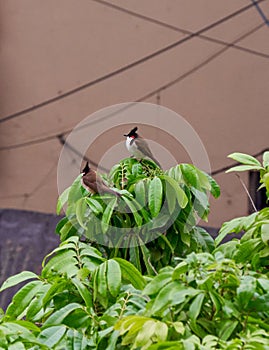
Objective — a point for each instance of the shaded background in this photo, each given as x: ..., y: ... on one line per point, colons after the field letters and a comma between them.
x: 62, y: 60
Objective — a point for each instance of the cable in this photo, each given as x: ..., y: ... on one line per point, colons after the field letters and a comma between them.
x: 262, y: 14
x: 143, y: 98
x: 177, y: 29
x: 129, y: 66
x: 82, y: 156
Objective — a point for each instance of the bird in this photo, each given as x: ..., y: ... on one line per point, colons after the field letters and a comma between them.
x: 93, y: 182
x: 138, y: 146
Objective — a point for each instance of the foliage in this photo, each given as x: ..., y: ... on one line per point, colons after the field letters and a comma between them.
x: 154, y: 219
x: 253, y: 247
x: 180, y: 291
x: 74, y: 303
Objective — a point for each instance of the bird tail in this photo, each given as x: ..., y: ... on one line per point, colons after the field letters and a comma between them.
x: 155, y: 161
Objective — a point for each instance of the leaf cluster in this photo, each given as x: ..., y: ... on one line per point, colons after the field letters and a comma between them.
x: 155, y: 217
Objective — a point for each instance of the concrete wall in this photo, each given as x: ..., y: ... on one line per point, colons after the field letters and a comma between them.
x: 50, y: 47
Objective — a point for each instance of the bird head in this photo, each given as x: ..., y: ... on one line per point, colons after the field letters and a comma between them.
x: 86, y: 169
x: 132, y: 133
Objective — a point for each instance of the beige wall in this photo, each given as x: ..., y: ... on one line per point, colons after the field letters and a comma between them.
x: 50, y: 47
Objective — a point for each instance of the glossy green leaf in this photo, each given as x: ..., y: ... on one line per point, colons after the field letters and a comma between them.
x: 155, y: 196
x: 239, y: 168
x: 181, y: 196
x: 18, y: 278
x: 94, y: 205
x: 52, y: 335
x: 196, y: 305
x: 84, y: 292
x: 22, y: 299
x: 62, y: 200
x: 131, y: 274
x: 133, y: 205
x: 107, y: 214
x: 246, y: 290
x: 265, y: 159
x: 244, y: 159
x: 158, y: 282
x: 113, y: 277
x: 57, y: 317
x: 140, y: 193
x: 81, y: 208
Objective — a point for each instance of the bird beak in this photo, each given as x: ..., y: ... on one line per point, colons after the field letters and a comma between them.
x: 125, y: 135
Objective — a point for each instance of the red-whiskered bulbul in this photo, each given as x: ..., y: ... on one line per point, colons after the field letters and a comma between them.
x: 93, y: 182
x: 138, y: 147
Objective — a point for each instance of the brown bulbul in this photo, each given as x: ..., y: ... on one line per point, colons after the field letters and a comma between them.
x: 93, y: 183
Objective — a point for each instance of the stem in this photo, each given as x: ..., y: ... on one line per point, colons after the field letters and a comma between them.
x: 248, y: 194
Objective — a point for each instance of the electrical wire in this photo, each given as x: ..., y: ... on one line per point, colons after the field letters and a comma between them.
x: 143, y: 98
x: 260, y: 11
x: 130, y: 65
x: 179, y: 30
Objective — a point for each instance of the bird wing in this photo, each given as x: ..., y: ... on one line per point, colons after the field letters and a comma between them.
x: 143, y: 147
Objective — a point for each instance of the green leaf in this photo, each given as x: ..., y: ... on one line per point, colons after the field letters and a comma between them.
x: 215, y: 189
x: 133, y: 205
x: 158, y: 282
x: 63, y: 262
x: 180, y: 269
x: 107, y: 214
x: 266, y: 159
x: 226, y: 329
x: 190, y: 175
x: 100, y: 283
x: 235, y: 225
x: 140, y: 193
x: 52, y: 335
x: 204, y: 239
x: 62, y: 200
x: 84, y: 292
x: 22, y: 299
x: 196, y: 305
x: 94, y: 205
x: 181, y: 196
x: 243, y: 168
x: 76, y: 190
x: 155, y: 196
x: 113, y: 277
x: 246, y: 290
x: 244, y: 159
x: 131, y: 274
x: 57, y: 317
x: 81, y: 208
x: 16, y: 279
x: 173, y: 293
x: 265, y: 233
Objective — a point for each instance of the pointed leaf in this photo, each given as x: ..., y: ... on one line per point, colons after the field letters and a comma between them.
x: 81, y: 208
x: 16, y: 279
x: 131, y: 274
x: 107, y: 214
x: 243, y: 168
x: 266, y: 159
x: 62, y: 200
x: 244, y: 158
x: 140, y: 193
x: 52, y: 335
x: 113, y: 277
x: 180, y: 194
x: 155, y: 196
x: 57, y: 317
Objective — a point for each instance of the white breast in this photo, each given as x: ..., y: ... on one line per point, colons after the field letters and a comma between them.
x: 132, y: 148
